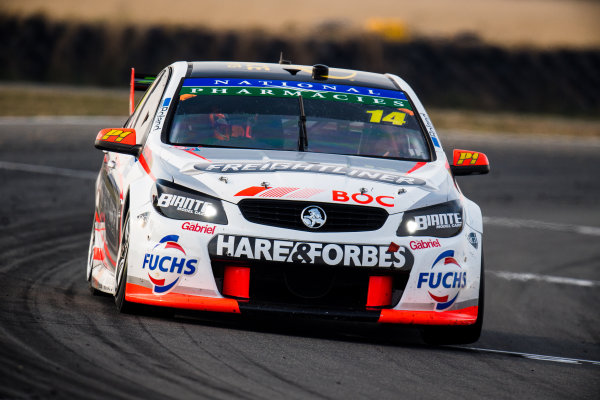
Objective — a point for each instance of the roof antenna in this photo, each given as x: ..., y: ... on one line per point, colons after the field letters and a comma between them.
x: 281, y: 60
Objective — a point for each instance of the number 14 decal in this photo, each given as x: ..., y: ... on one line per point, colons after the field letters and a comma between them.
x: 395, y: 117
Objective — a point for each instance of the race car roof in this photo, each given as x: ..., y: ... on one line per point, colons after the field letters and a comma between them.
x: 289, y: 72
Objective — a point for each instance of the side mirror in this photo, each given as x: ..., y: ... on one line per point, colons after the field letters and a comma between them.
x: 466, y: 162
x: 119, y: 140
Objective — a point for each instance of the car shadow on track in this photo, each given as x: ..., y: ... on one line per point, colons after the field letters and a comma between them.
x: 299, y: 326
x: 402, y: 336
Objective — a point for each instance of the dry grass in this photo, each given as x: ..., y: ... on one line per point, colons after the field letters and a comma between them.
x: 540, y: 23
x: 38, y: 100
x: 514, y: 123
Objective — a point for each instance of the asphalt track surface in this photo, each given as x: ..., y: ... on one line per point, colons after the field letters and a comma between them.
x: 57, y: 341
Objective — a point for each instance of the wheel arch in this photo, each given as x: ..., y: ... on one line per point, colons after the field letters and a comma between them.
x: 124, y: 210
x: 473, y: 215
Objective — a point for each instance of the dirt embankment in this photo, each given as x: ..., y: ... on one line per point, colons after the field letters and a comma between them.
x: 534, y: 23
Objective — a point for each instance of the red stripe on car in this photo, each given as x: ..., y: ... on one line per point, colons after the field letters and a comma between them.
x: 278, y: 192
x: 251, y: 191
x: 416, y: 167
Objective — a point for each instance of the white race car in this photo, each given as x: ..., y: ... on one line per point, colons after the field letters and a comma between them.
x: 302, y: 190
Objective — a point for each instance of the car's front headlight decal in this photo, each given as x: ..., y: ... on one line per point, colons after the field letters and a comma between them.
x: 177, y: 202
x: 440, y: 220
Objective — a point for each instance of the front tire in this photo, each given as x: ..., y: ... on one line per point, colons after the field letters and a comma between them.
x: 466, y: 334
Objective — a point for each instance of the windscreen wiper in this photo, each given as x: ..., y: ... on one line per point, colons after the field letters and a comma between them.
x: 303, y: 138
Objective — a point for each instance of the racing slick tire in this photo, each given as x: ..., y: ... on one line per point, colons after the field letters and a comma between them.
x: 439, y: 335
x: 123, y: 305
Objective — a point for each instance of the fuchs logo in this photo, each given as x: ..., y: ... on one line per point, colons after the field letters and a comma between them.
x: 313, y: 217
x: 167, y: 268
x: 445, y: 283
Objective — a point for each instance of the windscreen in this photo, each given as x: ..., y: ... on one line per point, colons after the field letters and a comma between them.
x: 276, y: 115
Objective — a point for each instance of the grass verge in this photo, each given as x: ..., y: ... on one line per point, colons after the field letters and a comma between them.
x: 36, y: 100
x: 514, y: 123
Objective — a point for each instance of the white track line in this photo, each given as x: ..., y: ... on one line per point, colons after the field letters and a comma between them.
x: 525, y: 277
x: 550, y: 226
x: 45, y: 169
x: 530, y: 356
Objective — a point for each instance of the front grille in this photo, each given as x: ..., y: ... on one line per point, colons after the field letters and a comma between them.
x: 286, y: 214
x: 304, y: 285
x: 301, y: 285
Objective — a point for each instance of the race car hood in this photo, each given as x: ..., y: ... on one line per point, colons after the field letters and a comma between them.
x: 236, y: 174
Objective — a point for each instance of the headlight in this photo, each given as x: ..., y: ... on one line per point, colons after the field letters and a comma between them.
x: 440, y: 220
x: 178, y: 202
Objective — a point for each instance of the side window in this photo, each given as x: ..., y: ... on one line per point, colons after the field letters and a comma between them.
x: 144, y: 115
x: 141, y: 105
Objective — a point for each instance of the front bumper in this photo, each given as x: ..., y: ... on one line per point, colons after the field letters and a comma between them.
x: 140, y: 294
x: 386, y: 295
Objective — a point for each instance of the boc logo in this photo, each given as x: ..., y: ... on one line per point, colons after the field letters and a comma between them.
x: 444, y: 281
x: 167, y: 263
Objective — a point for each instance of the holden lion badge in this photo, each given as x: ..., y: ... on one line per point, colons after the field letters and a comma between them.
x: 313, y: 217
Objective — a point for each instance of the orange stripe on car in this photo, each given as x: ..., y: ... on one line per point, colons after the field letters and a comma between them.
x: 140, y: 294
x: 406, y: 110
x: 465, y: 316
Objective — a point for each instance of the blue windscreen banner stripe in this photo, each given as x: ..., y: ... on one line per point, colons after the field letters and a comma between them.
x: 296, y: 85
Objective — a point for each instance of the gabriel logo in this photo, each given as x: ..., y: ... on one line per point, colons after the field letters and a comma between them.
x: 313, y: 217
